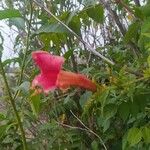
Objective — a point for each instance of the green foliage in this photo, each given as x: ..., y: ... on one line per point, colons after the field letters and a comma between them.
x: 132, y: 32
x: 51, y: 28
x: 124, y: 111
x: 35, y: 104
x: 9, y: 13
x: 146, y: 134
x: 114, y: 117
x: 134, y: 136
x: 145, y: 10
x: 96, y: 13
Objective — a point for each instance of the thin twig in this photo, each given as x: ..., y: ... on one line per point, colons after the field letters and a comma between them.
x: 72, y: 127
x: 82, y: 129
x: 72, y: 32
x: 102, y: 142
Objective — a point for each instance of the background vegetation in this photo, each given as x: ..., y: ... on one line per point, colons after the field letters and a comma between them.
x: 109, y: 41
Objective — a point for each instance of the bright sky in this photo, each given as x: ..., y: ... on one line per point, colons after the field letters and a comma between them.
x: 9, y: 37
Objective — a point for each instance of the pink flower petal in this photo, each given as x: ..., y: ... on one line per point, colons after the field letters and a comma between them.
x: 49, y: 66
x: 45, y: 81
x: 47, y: 62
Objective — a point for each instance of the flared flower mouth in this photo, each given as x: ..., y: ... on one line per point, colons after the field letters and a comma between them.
x: 51, y: 76
x: 50, y: 66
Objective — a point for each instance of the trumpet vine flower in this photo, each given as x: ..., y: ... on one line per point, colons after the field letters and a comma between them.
x: 52, y: 76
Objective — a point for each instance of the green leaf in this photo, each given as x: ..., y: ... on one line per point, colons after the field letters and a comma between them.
x: 35, y: 104
x: 68, y: 54
x: 145, y: 28
x: 96, y: 13
x: 75, y: 25
x: 124, y: 110
x: 94, y: 145
x: 3, y: 129
x: 85, y: 18
x: 106, y: 125
x: 2, y: 117
x: 84, y: 98
x: 25, y: 87
x: 103, y: 97
x: 132, y: 32
x: 70, y: 16
x: 68, y: 104
x: 142, y: 101
x: 89, y: 2
x: 52, y: 28
x: 18, y: 22
x: 134, y: 136
x: 146, y: 34
x: 46, y: 38
x: 109, y: 111
x: 9, y: 61
x: 145, y: 10
x: 138, y: 13
x: 9, y: 13
x: 146, y: 134
x: 124, y: 141
x: 134, y: 108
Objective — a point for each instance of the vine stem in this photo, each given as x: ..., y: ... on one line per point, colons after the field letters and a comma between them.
x: 14, y: 106
x: 89, y: 130
x: 26, y: 50
x: 77, y: 36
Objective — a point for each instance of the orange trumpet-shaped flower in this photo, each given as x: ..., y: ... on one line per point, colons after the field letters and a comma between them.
x: 51, y: 76
x: 66, y: 79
